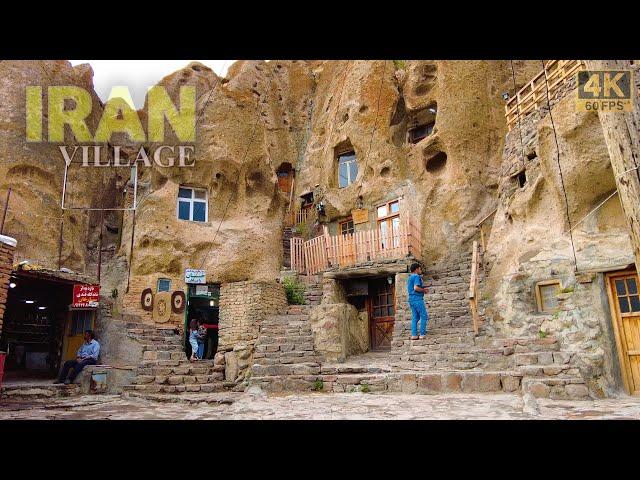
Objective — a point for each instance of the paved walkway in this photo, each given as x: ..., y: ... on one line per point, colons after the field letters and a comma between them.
x: 315, y: 406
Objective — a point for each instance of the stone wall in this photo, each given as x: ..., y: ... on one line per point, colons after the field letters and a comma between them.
x: 243, y: 305
x: 7, y: 250
x: 530, y: 241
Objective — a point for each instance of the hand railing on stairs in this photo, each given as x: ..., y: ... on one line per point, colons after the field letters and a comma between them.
x: 473, y: 287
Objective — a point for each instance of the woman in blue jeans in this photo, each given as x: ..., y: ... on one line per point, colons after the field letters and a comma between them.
x: 416, y: 291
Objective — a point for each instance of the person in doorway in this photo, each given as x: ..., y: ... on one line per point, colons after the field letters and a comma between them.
x: 416, y: 291
x: 202, y: 337
x: 193, y: 339
x: 87, y: 355
x: 212, y: 338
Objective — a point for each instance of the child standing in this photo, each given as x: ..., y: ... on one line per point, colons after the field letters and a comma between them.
x: 202, y: 335
x: 193, y: 339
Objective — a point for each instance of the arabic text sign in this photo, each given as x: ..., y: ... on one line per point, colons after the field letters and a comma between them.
x: 85, y: 296
x: 195, y: 276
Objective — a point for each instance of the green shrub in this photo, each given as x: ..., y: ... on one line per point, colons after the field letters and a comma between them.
x: 318, y: 385
x: 542, y: 334
x: 294, y: 290
x: 399, y: 64
x: 114, y: 293
x: 566, y: 290
x: 364, y: 388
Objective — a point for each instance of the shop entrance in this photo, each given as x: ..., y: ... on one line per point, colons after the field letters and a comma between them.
x: 34, y: 327
x: 203, y: 302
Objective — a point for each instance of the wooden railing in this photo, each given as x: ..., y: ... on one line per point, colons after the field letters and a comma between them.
x: 534, y: 93
x: 473, y: 287
x: 326, y: 251
x: 294, y: 217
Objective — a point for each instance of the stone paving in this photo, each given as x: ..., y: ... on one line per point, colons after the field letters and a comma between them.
x: 335, y: 406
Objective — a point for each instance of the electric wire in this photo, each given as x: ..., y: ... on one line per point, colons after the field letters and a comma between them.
x: 515, y: 92
x: 564, y: 191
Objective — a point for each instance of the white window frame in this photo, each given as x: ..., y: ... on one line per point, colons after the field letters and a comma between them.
x: 191, y: 201
x: 348, y: 165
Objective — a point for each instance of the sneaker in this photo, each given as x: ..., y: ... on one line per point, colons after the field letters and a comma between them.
x: 414, y: 337
x: 421, y: 337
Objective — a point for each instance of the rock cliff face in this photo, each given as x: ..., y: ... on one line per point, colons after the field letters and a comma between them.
x: 34, y: 171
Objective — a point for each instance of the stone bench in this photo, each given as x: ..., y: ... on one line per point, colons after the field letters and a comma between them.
x: 100, y: 378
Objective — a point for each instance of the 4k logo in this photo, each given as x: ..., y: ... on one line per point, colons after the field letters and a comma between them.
x: 605, y: 90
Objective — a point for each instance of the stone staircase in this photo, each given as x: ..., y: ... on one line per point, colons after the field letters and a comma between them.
x: 284, y: 351
x: 165, y: 368
x: 287, y: 233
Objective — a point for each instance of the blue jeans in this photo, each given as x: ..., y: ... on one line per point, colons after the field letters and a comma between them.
x: 194, y: 346
x: 200, y: 350
x: 418, y: 311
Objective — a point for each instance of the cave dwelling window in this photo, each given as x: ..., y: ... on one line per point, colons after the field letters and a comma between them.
x: 164, y: 285
x: 546, y: 292
x: 192, y: 204
x: 347, y: 168
x: 347, y: 227
x: 421, y: 131
x: 388, y: 216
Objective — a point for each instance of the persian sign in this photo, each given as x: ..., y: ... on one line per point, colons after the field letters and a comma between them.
x: 85, y: 296
x: 360, y: 215
x: 195, y: 276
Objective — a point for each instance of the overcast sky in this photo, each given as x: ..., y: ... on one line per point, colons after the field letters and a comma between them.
x: 139, y: 75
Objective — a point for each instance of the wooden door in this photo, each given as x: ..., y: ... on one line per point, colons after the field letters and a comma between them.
x: 79, y: 322
x: 625, y: 308
x: 285, y: 178
x: 382, y: 311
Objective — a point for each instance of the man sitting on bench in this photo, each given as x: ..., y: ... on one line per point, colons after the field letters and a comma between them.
x: 87, y: 355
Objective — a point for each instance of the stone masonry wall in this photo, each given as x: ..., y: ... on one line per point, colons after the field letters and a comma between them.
x: 7, y: 250
x: 243, y: 305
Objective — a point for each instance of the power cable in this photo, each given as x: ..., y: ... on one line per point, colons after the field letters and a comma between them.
x: 515, y: 92
x: 375, y: 127
x: 246, y: 153
x: 564, y: 191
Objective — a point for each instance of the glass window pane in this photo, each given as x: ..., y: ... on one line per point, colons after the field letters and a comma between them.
x: 164, y: 285
x: 353, y: 170
x: 548, y: 296
x: 635, y: 303
x: 183, y: 210
x: 199, y: 212
x: 632, y: 286
x: 620, y: 290
x: 395, y: 207
x: 382, y: 211
x: 343, y: 172
x: 200, y: 194
x: 185, y: 192
x: 624, y: 304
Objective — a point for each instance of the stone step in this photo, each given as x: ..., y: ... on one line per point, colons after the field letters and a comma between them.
x: 542, y: 358
x: 180, y: 370
x: 286, y: 320
x: 451, y: 381
x: 174, y: 363
x: 568, y: 387
x: 180, y: 388
x: 26, y: 391
x: 177, y: 379
x: 549, y: 370
x: 307, y: 368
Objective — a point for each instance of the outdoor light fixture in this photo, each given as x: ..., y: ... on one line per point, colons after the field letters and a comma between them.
x: 390, y: 280
x: 42, y: 308
x: 211, y: 303
x: 432, y: 110
x: 12, y: 285
x: 505, y: 96
x: 29, y: 301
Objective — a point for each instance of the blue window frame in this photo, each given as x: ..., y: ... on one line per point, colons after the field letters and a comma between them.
x: 192, y: 204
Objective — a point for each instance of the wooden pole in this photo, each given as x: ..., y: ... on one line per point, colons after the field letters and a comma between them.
x: 622, y: 135
x: 4, y: 213
x: 100, y: 244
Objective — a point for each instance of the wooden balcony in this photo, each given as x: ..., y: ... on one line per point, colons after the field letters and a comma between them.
x: 534, y: 94
x: 338, y: 251
x: 294, y: 217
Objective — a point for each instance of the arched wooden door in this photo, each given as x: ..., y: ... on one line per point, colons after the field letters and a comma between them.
x: 624, y: 298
